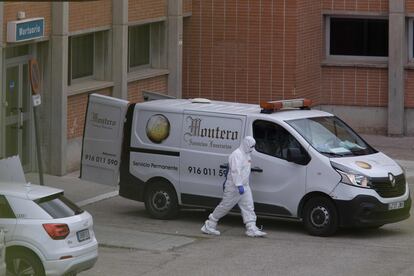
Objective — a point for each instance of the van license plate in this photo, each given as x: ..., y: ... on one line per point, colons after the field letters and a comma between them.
x: 396, y: 205
x: 83, y: 235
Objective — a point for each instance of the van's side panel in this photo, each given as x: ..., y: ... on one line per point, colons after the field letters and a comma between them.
x: 154, y: 148
x: 207, y: 140
x: 321, y: 176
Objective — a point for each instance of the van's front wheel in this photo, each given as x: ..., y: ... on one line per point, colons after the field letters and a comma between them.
x: 320, y: 217
x: 161, y: 201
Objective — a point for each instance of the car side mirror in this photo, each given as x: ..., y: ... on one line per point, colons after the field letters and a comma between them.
x: 295, y: 155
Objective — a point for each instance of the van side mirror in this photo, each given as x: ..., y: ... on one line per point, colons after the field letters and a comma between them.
x: 295, y: 155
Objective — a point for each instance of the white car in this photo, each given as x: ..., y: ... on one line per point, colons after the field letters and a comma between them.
x: 45, y: 233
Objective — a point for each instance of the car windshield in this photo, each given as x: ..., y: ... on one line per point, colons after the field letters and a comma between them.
x: 58, y: 206
x: 331, y: 137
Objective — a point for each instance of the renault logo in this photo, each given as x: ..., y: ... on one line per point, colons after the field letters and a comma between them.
x: 391, y: 177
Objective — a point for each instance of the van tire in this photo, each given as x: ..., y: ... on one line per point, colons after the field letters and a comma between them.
x: 161, y: 201
x: 320, y: 217
x: 19, y: 259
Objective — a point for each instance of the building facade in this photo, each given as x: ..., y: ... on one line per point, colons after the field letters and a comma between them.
x: 352, y: 57
x: 112, y: 47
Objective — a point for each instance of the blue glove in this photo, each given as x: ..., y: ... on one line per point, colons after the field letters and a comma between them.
x: 241, y: 189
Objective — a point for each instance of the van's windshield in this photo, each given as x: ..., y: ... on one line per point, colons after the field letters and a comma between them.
x: 331, y: 137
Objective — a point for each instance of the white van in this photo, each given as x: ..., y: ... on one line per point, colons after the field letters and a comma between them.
x: 308, y: 164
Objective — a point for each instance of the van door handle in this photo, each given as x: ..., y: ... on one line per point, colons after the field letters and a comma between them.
x: 4, y: 230
x: 257, y: 169
x: 224, y: 166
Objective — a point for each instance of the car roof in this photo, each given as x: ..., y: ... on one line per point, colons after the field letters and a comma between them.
x: 27, y: 191
x: 181, y: 105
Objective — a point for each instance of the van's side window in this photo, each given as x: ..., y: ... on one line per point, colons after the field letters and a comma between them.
x: 274, y: 140
x: 5, y: 210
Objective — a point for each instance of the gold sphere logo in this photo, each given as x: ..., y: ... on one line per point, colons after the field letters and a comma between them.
x: 363, y: 165
x: 158, y: 128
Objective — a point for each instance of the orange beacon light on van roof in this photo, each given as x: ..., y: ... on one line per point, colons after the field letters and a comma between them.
x: 272, y: 106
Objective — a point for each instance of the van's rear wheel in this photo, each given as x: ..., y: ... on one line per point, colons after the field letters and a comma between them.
x: 161, y: 201
x: 320, y: 217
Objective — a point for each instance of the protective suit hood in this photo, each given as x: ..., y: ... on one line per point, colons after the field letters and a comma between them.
x: 247, y: 145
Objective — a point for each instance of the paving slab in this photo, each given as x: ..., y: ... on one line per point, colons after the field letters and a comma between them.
x: 116, y: 236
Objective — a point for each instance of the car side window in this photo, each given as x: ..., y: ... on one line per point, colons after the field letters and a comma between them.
x: 274, y: 140
x: 5, y: 210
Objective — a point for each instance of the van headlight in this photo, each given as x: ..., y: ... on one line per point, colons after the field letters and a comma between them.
x: 352, y: 178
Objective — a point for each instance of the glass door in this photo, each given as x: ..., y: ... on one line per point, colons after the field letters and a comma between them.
x: 18, y: 113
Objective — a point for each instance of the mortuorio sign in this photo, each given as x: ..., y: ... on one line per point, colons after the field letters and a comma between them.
x: 24, y: 30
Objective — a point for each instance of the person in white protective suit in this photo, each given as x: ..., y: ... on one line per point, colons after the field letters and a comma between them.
x: 237, y: 191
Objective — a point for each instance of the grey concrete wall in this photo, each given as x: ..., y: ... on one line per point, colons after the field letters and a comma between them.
x: 120, y: 48
x: 1, y: 77
x: 175, y: 47
x: 73, y: 154
x: 370, y: 120
x: 396, y: 62
x: 59, y: 82
x: 409, y: 121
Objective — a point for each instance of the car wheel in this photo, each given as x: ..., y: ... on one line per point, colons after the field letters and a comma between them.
x: 23, y: 263
x: 320, y: 217
x: 161, y: 201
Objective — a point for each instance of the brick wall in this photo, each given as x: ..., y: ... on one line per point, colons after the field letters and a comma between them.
x: 240, y: 50
x: 76, y: 112
x: 37, y: 9
x: 87, y: 15
x: 409, y: 89
x: 146, y: 9
x: 187, y: 6
x: 157, y: 84
x: 409, y: 6
x: 356, y: 5
x: 309, y: 50
x: 355, y: 86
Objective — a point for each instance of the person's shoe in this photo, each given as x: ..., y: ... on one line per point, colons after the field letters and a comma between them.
x: 253, y: 231
x: 210, y: 229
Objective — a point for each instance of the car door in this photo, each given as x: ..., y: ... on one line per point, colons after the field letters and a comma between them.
x: 7, y: 219
x: 277, y: 184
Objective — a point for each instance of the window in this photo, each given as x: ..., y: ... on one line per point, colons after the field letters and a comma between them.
x: 411, y: 39
x: 146, y: 46
x: 331, y: 137
x: 81, y: 56
x: 274, y: 140
x: 88, y: 55
x: 5, y: 210
x: 58, y: 206
x: 139, y: 45
x: 357, y: 37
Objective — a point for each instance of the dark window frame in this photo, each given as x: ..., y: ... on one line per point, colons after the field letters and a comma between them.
x: 260, y: 146
x: 131, y: 29
x: 71, y: 78
x: 366, y: 19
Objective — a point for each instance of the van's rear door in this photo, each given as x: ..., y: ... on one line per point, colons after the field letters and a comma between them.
x: 102, y: 139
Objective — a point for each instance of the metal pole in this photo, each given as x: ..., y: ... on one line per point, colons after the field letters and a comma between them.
x: 38, y: 150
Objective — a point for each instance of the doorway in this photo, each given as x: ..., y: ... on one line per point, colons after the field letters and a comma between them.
x: 18, y: 134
